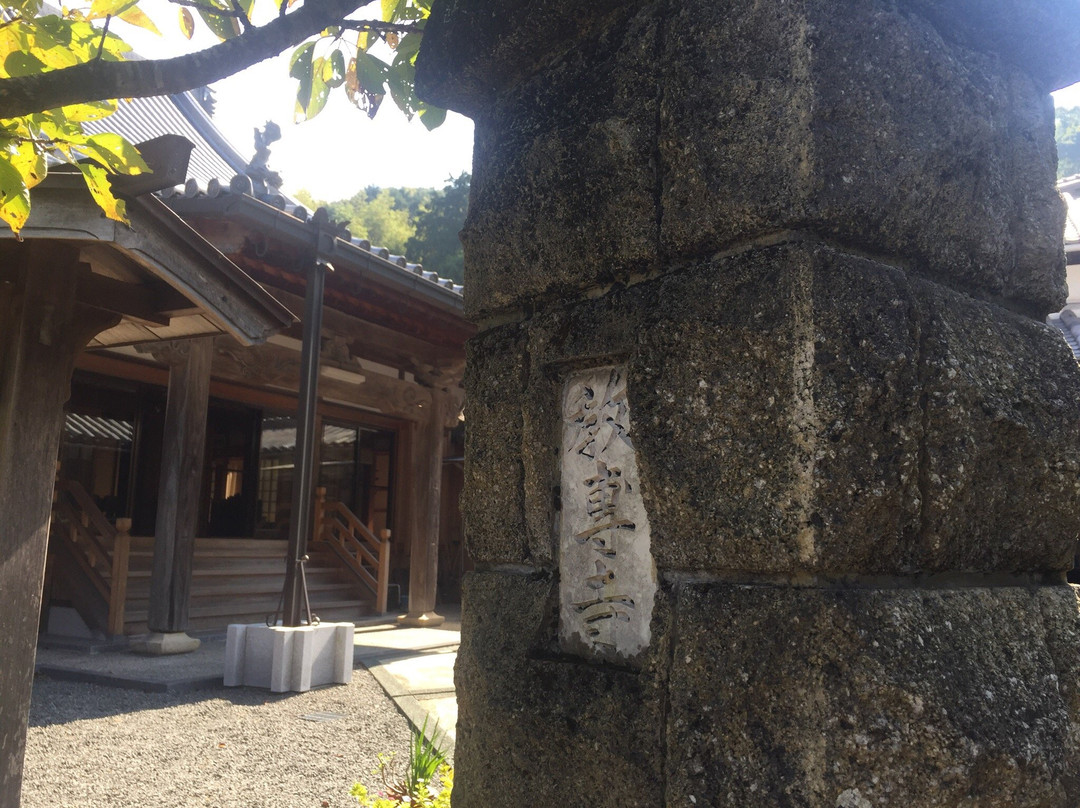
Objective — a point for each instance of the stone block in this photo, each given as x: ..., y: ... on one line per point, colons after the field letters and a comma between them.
x: 492, y: 501
x: 818, y: 699
x: 284, y: 659
x: 799, y: 410
x: 569, y: 732
x: 587, y: 123
x: 861, y: 123
x: 804, y: 410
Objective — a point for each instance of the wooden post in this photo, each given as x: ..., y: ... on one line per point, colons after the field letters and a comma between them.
x: 424, y: 546
x: 118, y: 576
x: 41, y: 331
x: 181, y: 475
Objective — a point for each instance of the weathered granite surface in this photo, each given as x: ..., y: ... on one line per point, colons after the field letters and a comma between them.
x: 797, y: 409
x: 790, y: 697
x: 768, y: 696
x: 670, y: 131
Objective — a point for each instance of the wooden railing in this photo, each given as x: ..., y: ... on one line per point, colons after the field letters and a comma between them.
x: 364, y: 553
x: 100, y: 549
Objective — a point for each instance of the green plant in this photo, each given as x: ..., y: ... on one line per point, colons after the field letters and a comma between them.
x: 426, y: 783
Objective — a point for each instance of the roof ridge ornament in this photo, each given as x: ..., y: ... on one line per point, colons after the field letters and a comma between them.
x: 264, y: 180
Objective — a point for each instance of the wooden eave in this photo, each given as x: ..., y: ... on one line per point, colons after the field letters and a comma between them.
x: 161, y: 277
x: 275, y: 247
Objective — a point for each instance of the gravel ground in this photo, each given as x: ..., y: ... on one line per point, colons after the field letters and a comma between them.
x: 91, y: 746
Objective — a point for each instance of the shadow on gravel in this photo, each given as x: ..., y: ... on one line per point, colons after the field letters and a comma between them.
x: 55, y: 701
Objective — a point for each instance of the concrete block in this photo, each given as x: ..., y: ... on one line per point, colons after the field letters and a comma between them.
x: 288, y: 659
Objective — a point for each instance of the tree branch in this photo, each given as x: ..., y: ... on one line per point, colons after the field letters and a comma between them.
x: 99, y: 80
x: 380, y: 27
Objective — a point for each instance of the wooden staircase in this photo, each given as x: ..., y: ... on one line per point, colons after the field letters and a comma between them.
x: 105, y: 573
x: 240, y: 581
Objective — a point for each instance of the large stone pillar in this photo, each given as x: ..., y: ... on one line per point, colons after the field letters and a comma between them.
x: 772, y: 466
x: 182, y: 452
x: 42, y: 329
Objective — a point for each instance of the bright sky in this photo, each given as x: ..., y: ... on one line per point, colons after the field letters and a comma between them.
x: 337, y: 153
x: 341, y: 151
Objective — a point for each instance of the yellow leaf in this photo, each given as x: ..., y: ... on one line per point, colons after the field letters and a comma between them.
x: 137, y: 17
x: 115, y: 153
x: 109, y: 8
x: 187, y: 23
x: 97, y: 180
x: 14, y: 195
x: 29, y: 162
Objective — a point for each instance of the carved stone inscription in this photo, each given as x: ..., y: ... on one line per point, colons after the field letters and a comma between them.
x: 607, y: 574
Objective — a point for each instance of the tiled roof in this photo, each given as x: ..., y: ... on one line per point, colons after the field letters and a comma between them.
x: 140, y: 119
x: 216, y: 168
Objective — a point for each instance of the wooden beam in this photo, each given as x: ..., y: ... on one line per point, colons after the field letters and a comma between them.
x: 133, y: 301
x: 378, y: 343
x: 275, y: 366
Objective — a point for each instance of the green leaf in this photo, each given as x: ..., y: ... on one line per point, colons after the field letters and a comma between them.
x: 224, y: 27
x: 319, y: 90
x: 97, y: 180
x: 408, y: 47
x: 431, y: 117
x: 399, y: 78
x: 392, y: 9
x: 300, y: 69
x: 26, y: 8
x: 334, y: 69
x: 370, y: 73
x: 58, y: 29
x: 22, y: 64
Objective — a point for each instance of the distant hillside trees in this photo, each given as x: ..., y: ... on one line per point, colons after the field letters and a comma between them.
x: 420, y: 223
x: 1067, y: 123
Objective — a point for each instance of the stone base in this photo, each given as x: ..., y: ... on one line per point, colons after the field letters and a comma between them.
x: 164, y: 644
x: 289, y: 658
x: 421, y: 620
